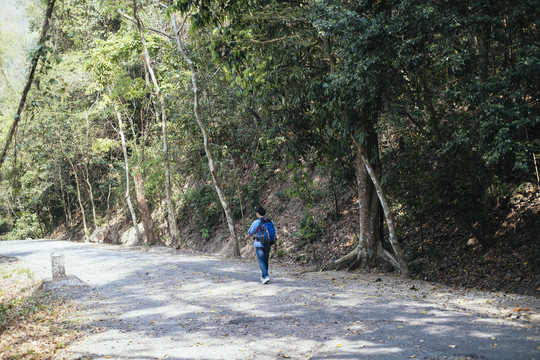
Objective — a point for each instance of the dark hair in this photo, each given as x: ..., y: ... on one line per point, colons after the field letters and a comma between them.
x: 260, y: 210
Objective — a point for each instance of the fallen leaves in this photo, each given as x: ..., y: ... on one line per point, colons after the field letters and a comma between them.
x: 35, y: 325
x: 518, y: 309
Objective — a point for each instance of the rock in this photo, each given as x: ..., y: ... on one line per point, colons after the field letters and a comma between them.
x: 60, y: 283
x: 106, y: 235
x: 129, y: 239
x: 100, y: 235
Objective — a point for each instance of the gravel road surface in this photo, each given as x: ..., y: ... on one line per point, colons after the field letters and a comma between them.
x: 155, y: 303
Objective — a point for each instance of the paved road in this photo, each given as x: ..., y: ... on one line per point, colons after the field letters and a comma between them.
x: 159, y: 305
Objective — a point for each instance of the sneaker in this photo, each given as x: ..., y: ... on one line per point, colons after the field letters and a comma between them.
x: 265, y: 280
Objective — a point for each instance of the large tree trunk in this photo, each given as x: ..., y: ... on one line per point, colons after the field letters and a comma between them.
x: 221, y: 196
x: 29, y: 81
x: 399, y: 261
x: 146, y: 215
x: 369, y: 253
x: 173, y: 228
x: 366, y: 255
x: 369, y: 244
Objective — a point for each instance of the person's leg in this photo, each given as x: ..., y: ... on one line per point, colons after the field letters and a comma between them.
x: 266, y: 256
x: 263, y: 261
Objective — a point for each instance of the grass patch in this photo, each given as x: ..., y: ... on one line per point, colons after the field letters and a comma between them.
x: 32, y: 326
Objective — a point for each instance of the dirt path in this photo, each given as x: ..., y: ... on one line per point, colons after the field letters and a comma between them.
x: 156, y: 304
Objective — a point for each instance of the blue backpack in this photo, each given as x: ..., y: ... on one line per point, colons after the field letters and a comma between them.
x: 266, y: 233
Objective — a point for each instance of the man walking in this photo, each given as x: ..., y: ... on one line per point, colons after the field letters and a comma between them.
x: 262, y: 250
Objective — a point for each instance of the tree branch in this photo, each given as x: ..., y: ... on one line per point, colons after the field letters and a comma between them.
x: 26, y: 90
x: 266, y: 42
x: 160, y: 33
x: 415, y: 123
x: 132, y: 19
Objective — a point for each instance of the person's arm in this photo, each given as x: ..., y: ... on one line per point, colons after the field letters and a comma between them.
x: 252, y: 229
x: 275, y: 243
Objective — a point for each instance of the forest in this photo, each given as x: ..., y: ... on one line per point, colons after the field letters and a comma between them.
x: 379, y: 134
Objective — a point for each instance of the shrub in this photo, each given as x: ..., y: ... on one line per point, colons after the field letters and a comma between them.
x: 311, y: 230
x: 203, y: 204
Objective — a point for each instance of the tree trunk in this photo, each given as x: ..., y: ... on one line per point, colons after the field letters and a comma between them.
x: 173, y: 228
x: 369, y: 245
x: 90, y: 188
x: 64, y: 204
x: 40, y: 220
x: 392, y: 237
x: 221, y: 196
x: 536, y: 167
x: 369, y: 253
x: 65, y: 200
x: 483, y: 51
x: 128, y: 199
x: 26, y: 90
x: 146, y: 214
x: 91, y: 193
x: 78, y: 189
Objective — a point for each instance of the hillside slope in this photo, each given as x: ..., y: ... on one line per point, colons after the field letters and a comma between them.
x: 440, y: 252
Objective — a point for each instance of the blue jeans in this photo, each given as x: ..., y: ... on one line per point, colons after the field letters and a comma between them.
x: 262, y: 254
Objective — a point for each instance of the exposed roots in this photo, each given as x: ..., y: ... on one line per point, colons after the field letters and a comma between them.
x: 352, y: 261
x: 348, y: 262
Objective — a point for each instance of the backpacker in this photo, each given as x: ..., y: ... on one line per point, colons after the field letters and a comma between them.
x: 266, y: 233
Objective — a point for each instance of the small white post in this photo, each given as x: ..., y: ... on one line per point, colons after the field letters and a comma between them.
x: 57, y: 265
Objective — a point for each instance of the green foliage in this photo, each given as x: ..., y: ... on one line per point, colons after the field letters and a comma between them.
x: 448, y: 95
x: 4, y: 226
x: 26, y: 225
x: 281, y: 253
x: 104, y: 145
x: 311, y: 230
x: 23, y: 304
x: 202, y: 205
x: 304, y: 189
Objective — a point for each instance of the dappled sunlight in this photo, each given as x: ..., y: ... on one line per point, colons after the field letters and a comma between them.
x: 188, y: 307
x: 161, y: 311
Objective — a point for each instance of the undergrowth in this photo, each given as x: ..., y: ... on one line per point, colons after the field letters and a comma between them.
x: 33, y: 325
